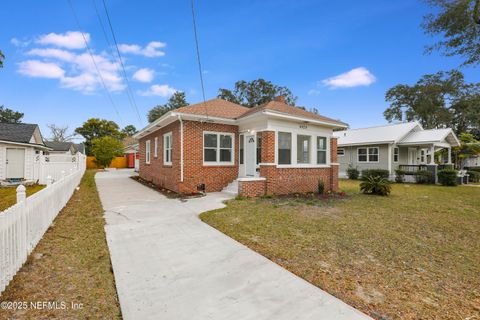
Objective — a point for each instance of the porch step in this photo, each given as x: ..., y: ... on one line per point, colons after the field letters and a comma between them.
x: 232, y: 188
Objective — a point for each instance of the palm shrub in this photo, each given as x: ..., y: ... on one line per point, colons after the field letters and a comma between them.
x: 399, y: 176
x: 376, y: 172
x: 447, y: 177
x: 353, y: 173
x: 423, y: 176
x: 375, y: 185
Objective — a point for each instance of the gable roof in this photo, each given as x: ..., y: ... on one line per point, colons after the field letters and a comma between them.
x: 17, y: 132
x: 60, y: 146
x: 282, y: 107
x: 381, y: 134
x: 431, y: 135
x: 215, y: 108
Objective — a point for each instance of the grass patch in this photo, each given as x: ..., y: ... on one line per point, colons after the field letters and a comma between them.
x: 414, y: 254
x: 8, y: 195
x: 70, y: 264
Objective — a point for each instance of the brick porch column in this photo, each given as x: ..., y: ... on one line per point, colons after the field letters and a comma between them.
x: 267, y: 167
x: 334, y: 165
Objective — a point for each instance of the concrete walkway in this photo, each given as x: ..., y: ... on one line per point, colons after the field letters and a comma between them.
x: 170, y: 265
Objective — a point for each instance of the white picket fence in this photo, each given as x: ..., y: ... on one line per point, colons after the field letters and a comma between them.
x: 53, y: 165
x: 24, y: 224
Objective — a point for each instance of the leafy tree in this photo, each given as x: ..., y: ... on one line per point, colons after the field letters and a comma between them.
x: 59, y: 134
x: 256, y: 92
x: 98, y: 128
x: 129, y: 130
x: 437, y: 100
x: 458, y: 22
x: 2, y: 58
x: 10, y: 116
x: 105, y: 149
x: 177, y: 100
x: 469, y: 146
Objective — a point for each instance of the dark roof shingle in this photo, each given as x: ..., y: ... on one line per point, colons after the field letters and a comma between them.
x: 59, y: 146
x: 17, y: 132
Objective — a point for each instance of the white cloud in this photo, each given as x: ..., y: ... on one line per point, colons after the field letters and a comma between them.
x: 69, y: 39
x: 313, y: 92
x: 163, y: 90
x: 39, y: 69
x: 143, y: 75
x: 19, y: 43
x: 353, y: 78
x: 52, y: 53
x: 150, y: 50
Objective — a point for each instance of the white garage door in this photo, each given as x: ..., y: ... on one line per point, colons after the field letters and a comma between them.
x: 15, y: 163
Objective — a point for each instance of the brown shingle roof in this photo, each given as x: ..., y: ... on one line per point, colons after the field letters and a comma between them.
x: 287, y: 109
x: 215, y: 108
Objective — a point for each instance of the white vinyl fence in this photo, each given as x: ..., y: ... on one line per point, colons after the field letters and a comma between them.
x: 24, y: 224
x: 53, y: 165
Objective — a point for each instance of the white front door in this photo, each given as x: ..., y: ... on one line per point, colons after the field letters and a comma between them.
x: 250, y: 155
x: 15, y: 163
x: 412, y: 156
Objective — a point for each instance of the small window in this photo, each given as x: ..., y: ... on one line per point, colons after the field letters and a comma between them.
x: 167, y: 148
x: 373, y: 154
x: 155, y: 148
x: 242, y: 138
x: 303, y: 149
x: 147, y: 151
x: 284, y: 148
x: 340, y: 152
x: 321, y: 150
x: 225, y: 148
x: 362, y: 154
x: 259, y: 149
x: 395, y: 154
x: 218, y: 148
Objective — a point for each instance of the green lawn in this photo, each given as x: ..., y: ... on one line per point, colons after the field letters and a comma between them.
x: 8, y: 196
x: 71, y: 264
x: 414, y: 254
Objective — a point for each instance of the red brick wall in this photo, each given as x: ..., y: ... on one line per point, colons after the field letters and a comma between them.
x: 335, y: 167
x: 255, y: 188
x: 268, y: 146
x: 333, y: 150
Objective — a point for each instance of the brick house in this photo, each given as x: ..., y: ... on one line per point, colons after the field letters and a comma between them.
x: 218, y: 145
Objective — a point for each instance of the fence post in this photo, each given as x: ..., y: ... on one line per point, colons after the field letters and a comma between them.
x: 49, y: 181
x: 21, y: 194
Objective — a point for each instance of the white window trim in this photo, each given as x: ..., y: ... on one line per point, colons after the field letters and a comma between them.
x: 218, y: 162
x: 327, y: 148
x: 368, y: 155
x: 396, y: 154
x: 155, y: 148
x: 165, y: 150
x: 343, y: 153
x: 148, y: 151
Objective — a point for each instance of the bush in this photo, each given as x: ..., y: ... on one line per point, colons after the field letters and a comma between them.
x: 423, y: 176
x: 105, y: 149
x: 375, y: 185
x: 447, y: 177
x: 353, y: 173
x: 321, y: 187
x: 399, y: 176
x: 376, y: 173
x: 474, y: 176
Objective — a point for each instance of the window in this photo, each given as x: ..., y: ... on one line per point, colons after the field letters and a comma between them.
x: 372, y: 154
x: 362, y: 154
x: 242, y: 139
x: 147, y: 151
x: 218, y: 148
x: 167, y: 148
x: 303, y: 149
x: 321, y: 150
x: 340, y: 152
x: 395, y: 154
x: 155, y: 148
x: 422, y: 156
x: 259, y: 149
x: 284, y: 148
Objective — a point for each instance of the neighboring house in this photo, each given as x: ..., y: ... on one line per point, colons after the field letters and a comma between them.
x: 19, y: 143
x: 472, y: 161
x: 130, y: 150
x: 80, y: 147
x: 64, y: 148
x: 273, y: 148
x: 404, y: 145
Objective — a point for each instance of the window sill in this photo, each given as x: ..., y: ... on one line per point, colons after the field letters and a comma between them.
x: 217, y: 164
x: 304, y: 166
x: 168, y: 165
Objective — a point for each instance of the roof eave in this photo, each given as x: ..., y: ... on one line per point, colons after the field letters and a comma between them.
x: 305, y: 119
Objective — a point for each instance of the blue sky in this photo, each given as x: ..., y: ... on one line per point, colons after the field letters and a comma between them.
x: 337, y: 56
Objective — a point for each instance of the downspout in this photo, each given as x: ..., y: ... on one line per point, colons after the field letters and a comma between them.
x: 181, y: 147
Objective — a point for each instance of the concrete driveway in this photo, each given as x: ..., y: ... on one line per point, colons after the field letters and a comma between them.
x: 170, y: 265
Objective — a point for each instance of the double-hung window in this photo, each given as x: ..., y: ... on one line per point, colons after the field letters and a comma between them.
x: 303, y: 149
x: 362, y: 154
x: 167, y: 148
x: 284, y: 148
x: 218, y: 148
x: 373, y: 154
x: 147, y: 152
x: 321, y: 150
x: 155, y: 148
x: 259, y: 149
x: 395, y: 154
x: 367, y: 154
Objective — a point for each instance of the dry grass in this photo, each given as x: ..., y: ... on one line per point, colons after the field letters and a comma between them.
x: 71, y: 264
x: 413, y: 255
x: 8, y: 196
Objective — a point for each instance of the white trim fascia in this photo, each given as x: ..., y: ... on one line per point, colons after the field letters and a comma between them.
x: 308, y: 120
x: 363, y: 143
x: 409, y: 132
x: 33, y: 145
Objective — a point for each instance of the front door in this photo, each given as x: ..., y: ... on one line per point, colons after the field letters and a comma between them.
x: 250, y: 155
x: 412, y: 156
x: 15, y: 163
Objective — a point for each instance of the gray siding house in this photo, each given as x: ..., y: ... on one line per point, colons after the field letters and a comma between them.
x: 404, y: 145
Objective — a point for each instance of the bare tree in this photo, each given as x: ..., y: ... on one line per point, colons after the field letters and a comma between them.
x: 60, y: 134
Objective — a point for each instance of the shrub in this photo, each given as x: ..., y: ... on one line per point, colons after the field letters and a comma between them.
x: 399, y: 176
x: 423, y: 176
x: 474, y: 176
x: 105, y: 149
x: 353, y: 173
x: 376, y: 173
x: 447, y: 177
x: 375, y: 185
x: 321, y: 187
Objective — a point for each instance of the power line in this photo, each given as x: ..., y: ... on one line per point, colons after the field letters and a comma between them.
x: 93, y: 60
x: 129, y: 89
